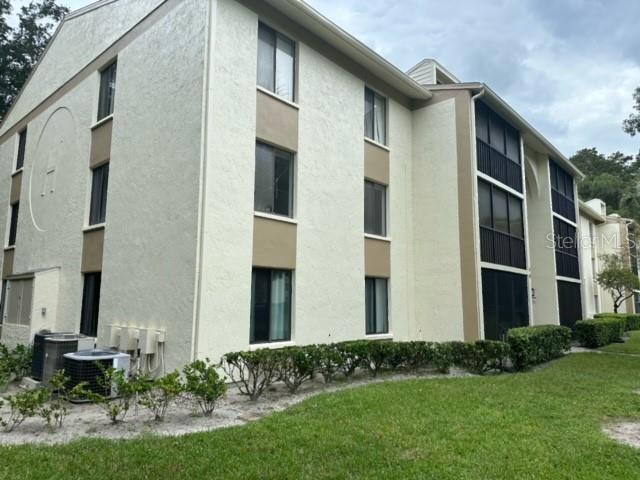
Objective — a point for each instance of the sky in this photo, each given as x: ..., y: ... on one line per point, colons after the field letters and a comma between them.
x: 568, y: 66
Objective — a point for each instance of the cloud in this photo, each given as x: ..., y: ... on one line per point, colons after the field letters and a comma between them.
x: 567, y: 66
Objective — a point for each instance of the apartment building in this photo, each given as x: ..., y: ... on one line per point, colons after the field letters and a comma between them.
x: 604, y: 234
x: 235, y: 174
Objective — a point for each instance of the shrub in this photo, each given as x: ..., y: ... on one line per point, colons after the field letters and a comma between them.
x: 349, y: 353
x: 375, y: 355
x: 297, y: 365
x: 600, y: 331
x: 252, y: 371
x: 5, y: 376
x: 160, y: 393
x: 632, y: 320
x: 56, y: 412
x: 24, y: 405
x: 116, y: 409
x: 531, y: 346
x: 17, y: 361
x: 329, y: 360
x: 441, y: 356
x: 481, y: 356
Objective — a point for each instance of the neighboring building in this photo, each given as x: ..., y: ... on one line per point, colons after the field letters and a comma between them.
x: 604, y: 234
x: 191, y: 178
x: 593, y: 216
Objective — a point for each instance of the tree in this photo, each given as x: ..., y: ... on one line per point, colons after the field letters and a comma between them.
x: 632, y: 124
x: 618, y: 279
x: 612, y: 178
x: 22, y: 46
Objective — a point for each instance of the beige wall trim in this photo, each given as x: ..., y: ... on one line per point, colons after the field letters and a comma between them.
x: 376, y: 163
x: 16, y: 188
x: 471, y: 284
x: 101, y: 144
x: 274, y: 243
x: 106, y: 56
x: 276, y: 122
x: 377, y: 258
x: 7, y: 264
x: 92, y: 246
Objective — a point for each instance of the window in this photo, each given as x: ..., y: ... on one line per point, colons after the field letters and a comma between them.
x: 276, y: 62
x: 376, y: 305
x: 90, y: 304
x: 22, y: 147
x: 566, y: 248
x: 107, y: 91
x: 99, y: 184
x: 375, y: 116
x: 375, y: 208
x: 562, y: 192
x: 13, y: 225
x: 501, y: 226
x: 274, y: 181
x: 505, y: 302
x: 498, y: 147
x: 270, y: 305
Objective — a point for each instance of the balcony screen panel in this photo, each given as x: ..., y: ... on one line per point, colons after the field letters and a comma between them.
x: 484, y: 197
x: 500, y: 211
x: 569, y: 303
x: 505, y: 302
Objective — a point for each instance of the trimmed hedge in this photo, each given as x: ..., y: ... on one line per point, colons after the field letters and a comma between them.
x: 531, y: 346
x: 632, y: 320
x: 600, y: 331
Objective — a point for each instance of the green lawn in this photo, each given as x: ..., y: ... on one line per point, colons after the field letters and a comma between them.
x: 539, y: 425
x: 632, y: 345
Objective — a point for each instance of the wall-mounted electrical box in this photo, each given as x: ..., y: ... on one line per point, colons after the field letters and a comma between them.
x: 114, y: 336
x: 129, y: 339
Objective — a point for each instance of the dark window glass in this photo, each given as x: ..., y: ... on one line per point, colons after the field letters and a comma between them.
x: 498, y: 148
x: 569, y: 303
x: 375, y: 208
x: 107, y: 91
x: 13, y: 224
x: 270, y: 305
x: 22, y: 147
x: 562, y: 197
x: 513, y: 144
x: 497, y: 134
x: 482, y: 123
x: 501, y: 226
x: 484, y: 196
x: 505, y: 302
x: 566, y: 249
x: 500, y: 211
x: 516, y: 225
x: 99, y: 185
x: 274, y: 181
x: 90, y: 304
x: 375, y: 116
x: 276, y: 62
x: 376, y: 305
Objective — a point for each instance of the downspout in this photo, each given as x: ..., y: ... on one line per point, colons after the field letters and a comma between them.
x: 474, y: 156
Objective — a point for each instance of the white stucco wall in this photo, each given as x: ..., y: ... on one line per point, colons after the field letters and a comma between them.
x: 611, y: 237
x: 589, y: 251
x: 77, y: 43
x: 401, y: 222
x: 541, y: 253
x: 150, y: 238
x: 436, y: 264
x: 227, y: 238
x: 328, y: 285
